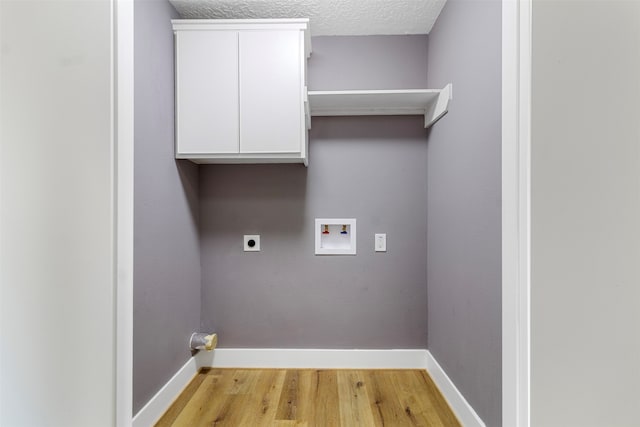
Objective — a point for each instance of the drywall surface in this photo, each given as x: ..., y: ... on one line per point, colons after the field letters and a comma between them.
x: 166, y: 249
x: 585, y: 213
x: 371, y: 169
x: 57, y: 325
x: 464, y: 203
x: 368, y: 168
x: 368, y: 62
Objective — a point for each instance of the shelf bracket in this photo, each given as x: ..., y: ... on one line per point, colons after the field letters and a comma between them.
x: 440, y: 107
x: 307, y: 109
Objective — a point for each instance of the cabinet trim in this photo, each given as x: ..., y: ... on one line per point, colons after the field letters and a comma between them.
x: 297, y: 24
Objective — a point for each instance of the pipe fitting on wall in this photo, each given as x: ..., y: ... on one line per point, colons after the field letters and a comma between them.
x: 203, y: 341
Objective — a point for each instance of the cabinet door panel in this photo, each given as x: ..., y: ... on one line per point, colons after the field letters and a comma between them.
x: 207, y: 92
x: 270, y: 92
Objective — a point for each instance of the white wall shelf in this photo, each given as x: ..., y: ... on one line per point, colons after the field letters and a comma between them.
x: 432, y: 103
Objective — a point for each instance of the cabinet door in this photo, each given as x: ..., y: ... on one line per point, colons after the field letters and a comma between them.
x: 271, y: 91
x: 207, y: 92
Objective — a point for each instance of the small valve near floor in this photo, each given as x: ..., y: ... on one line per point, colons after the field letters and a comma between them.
x: 203, y: 341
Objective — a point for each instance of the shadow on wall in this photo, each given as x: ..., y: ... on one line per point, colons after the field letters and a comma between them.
x: 276, y: 194
x: 188, y: 172
x: 368, y: 129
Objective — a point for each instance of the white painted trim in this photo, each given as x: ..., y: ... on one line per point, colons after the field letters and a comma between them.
x: 465, y: 413
x: 160, y: 402
x: 240, y: 24
x: 296, y: 24
x: 313, y: 358
x: 123, y: 136
x: 310, y: 359
x: 516, y: 153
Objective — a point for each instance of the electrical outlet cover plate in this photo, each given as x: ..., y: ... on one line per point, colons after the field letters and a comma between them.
x: 252, y: 243
x: 381, y: 242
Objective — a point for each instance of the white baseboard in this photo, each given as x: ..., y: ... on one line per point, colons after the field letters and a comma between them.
x: 158, y: 405
x: 313, y: 358
x: 456, y: 400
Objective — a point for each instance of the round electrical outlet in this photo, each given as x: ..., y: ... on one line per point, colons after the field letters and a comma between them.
x: 251, y: 242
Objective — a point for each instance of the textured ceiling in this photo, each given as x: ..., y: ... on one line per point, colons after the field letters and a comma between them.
x: 328, y: 17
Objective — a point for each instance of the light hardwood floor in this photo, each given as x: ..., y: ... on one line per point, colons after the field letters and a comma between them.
x: 309, y: 397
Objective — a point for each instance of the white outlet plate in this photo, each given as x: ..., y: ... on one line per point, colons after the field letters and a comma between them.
x: 256, y: 240
x: 380, y: 242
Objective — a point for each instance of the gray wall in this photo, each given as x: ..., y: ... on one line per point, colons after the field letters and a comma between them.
x: 166, y: 248
x: 370, y: 168
x: 368, y: 62
x: 585, y: 214
x: 464, y: 203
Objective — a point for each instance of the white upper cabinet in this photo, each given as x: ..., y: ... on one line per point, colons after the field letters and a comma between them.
x: 207, y: 92
x: 270, y: 96
x: 241, y: 90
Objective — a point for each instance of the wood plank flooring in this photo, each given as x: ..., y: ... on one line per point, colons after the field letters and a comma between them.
x: 309, y: 397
